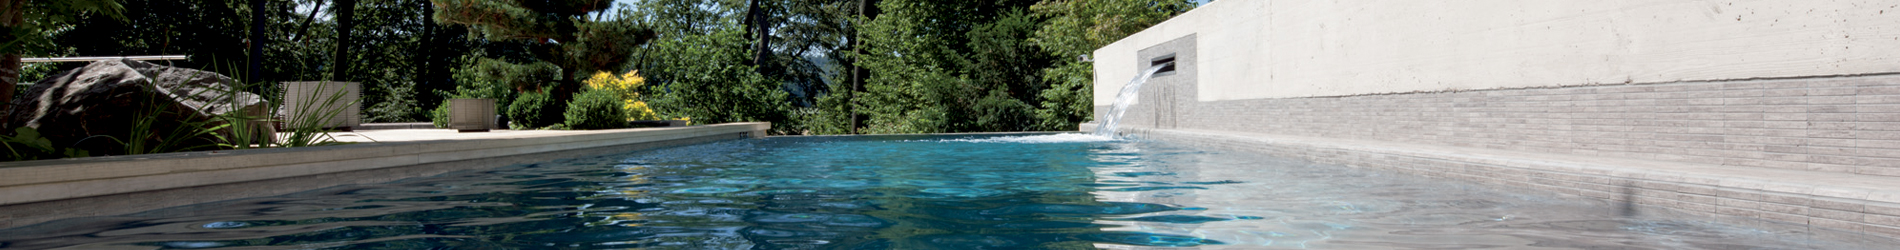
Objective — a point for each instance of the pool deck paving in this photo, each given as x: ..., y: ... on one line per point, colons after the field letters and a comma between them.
x: 37, y: 191
x: 1816, y: 199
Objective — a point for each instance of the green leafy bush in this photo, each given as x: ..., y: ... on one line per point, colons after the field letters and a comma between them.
x: 596, y: 109
x: 396, y: 103
x: 440, y: 116
x: 26, y: 144
x: 532, y: 110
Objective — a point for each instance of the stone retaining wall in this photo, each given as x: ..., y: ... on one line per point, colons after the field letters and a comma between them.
x: 1835, y: 124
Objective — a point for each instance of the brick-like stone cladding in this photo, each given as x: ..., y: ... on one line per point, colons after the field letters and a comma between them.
x: 1739, y: 196
x: 1839, y: 124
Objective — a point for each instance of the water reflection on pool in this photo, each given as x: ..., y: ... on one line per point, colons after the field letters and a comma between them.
x: 1059, y: 191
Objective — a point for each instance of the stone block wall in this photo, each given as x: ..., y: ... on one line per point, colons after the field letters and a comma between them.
x: 1834, y: 124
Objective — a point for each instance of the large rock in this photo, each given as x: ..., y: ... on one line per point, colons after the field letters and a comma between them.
x: 97, y: 107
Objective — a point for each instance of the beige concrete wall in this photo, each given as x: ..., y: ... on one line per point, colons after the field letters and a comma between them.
x: 1253, y: 49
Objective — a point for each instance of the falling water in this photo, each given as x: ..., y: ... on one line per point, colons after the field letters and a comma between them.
x: 1127, y: 96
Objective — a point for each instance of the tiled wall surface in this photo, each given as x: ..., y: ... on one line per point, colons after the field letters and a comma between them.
x: 1834, y: 124
x: 1804, y: 200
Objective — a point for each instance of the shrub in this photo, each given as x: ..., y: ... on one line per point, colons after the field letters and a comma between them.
x: 625, y: 88
x: 440, y: 116
x: 596, y: 109
x: 534, y: 110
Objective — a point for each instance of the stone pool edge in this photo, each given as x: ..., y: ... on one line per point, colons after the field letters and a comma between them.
x: 39, y: 191
x: 1831, y: 201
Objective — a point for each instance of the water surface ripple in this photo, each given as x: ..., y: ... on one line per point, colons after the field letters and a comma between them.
x: 1065, y: 191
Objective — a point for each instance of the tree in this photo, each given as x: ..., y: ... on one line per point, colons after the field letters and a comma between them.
x: 948, y: 66
x: 704, y: 79
x: 558, y: 31
x: 25, y: 27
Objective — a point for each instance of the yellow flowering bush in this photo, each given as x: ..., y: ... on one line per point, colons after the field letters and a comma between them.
x: 627, y: 86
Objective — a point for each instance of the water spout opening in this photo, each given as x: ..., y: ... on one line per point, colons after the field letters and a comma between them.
x: 1166, y: 62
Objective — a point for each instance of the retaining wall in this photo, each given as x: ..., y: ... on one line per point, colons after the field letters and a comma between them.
x: 1787, y: 93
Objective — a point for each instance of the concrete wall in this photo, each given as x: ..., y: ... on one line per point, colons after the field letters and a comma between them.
x: 1274, y: 49
x: 1803, y: 94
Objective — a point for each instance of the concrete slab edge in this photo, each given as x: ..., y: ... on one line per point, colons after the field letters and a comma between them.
x: 48, y: 180
x: 1816, y: 205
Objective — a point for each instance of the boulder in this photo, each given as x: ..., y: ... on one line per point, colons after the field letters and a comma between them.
x: 98, y: 107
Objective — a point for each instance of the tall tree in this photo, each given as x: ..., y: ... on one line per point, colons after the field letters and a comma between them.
x: 932, y: 66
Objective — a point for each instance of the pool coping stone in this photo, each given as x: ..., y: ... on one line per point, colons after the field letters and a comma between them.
x: 50, y: 180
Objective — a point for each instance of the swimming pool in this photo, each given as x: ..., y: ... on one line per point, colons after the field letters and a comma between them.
x: 1051, y: 191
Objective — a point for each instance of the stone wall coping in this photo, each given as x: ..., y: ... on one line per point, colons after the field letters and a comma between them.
x: 45, y: 180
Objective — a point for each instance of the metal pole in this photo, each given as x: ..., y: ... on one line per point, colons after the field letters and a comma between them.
x: 97, y: 58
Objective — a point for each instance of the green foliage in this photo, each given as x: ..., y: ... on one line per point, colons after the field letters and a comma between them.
x: 829, y: 116
x: 440, y: 115
x: 1001, y: 112
x: 26, y: 144
x: 533, y: 110
x: 498, y: 77
x: 626, y: 88
x: 1068, y: 101
x: 1076, y: 28
x: 481, y: 77
x: 804, y: 42
x: 596, y: 109
x: 43, y: 20
x: 560, y: 33
x: 949, y: 66
x: 486, y: 78
x: 395, y: 44
x: 303, y: 130
x: 703, y: 79
x: 399, y: 103
x: 148, y: 137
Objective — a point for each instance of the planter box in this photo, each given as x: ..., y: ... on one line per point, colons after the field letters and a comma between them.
x: 322, y: 100
x: 472, y: 115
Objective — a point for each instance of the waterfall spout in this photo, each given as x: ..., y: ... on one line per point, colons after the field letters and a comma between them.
x: 1129, y: 92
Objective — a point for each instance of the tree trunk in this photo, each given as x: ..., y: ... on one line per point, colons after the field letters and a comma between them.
x: 9, y: 78
x: 12, y: 14
x: 345, y: 20
x: 426, y: 77
x: 765, y: 41
x: 857, y: 72
x: 257, y: 43
x: 759, y: 31
x: 307, y: 19
x: 867, y: 10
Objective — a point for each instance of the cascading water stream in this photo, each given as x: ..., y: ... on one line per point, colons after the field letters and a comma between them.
x: 1129, y: 92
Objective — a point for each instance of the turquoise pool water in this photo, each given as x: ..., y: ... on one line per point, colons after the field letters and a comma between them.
x: 1060, y: 191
